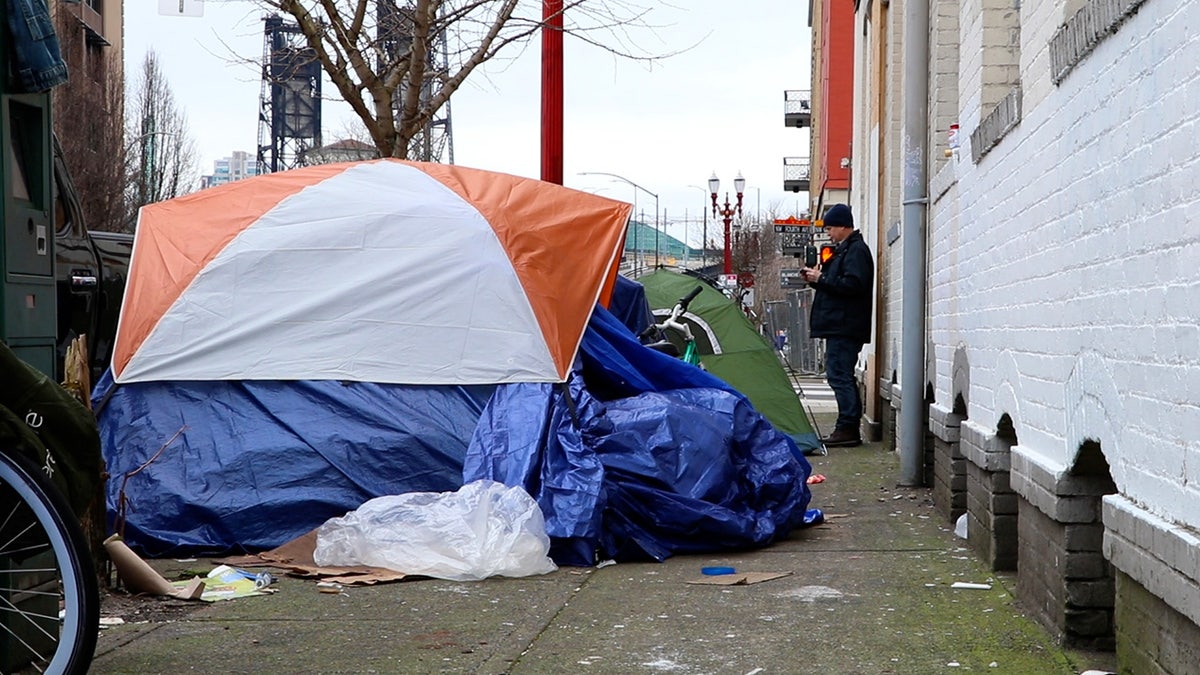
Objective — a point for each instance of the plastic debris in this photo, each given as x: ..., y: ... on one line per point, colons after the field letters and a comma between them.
x: 483, y: 529
x: 331, y: 587
x: 960, y: 527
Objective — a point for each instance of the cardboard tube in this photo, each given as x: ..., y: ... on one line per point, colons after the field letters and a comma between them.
x: 139, y: 577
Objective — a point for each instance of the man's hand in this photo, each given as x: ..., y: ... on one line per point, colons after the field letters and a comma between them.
x: 810, y: 275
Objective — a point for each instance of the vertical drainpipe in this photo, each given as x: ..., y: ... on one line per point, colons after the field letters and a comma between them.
x: 915, y: 195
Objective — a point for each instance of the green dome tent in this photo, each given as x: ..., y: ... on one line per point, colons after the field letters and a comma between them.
x: 732, y: 350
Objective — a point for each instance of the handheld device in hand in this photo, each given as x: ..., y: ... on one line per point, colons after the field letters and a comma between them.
x: 810, y: 256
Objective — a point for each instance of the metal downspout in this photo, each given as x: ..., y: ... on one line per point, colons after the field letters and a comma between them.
x: 915, y: 195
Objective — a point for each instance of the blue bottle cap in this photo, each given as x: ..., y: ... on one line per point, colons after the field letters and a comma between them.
x: 714, y: 571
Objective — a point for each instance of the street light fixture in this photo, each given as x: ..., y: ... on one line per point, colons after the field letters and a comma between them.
x: 727, y: 213
x: 639, y: 187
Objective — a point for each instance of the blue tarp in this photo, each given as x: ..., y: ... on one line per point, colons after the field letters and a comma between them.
x: 257, y: 464
x: 673, y: 460
x: 647, y: 457
x: 629, y: 305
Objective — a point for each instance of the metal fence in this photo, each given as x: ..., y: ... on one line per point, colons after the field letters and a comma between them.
x: 801, y: 353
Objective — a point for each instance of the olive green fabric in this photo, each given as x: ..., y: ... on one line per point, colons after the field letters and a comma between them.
x: 42, y: 422
x: 734, y: 351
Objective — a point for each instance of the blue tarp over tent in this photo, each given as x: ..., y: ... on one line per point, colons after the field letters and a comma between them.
x: 647, y: 457
x: 256, y: 464
x: 672, y: 461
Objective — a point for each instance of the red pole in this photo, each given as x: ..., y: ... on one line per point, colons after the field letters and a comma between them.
x: 728, y: 252
x: 728, y: 215
x: 552, y: 91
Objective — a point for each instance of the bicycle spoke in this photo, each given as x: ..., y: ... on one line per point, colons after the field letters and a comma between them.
x: 32, y: 569
x: 5, y: 547
x: 27, y: 591
x: 25, y: 551
x: 37, y: 655
x: 49, y: 605
x: 31, y: 617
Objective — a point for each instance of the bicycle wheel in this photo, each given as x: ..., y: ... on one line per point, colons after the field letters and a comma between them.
x: 49, y: 597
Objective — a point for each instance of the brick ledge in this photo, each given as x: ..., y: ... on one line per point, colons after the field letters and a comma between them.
x: 1155, y: 553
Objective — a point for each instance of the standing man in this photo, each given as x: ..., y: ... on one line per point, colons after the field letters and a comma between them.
x: 841, y: 313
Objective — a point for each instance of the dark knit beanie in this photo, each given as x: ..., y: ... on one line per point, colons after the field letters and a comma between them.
x: 839, y: 215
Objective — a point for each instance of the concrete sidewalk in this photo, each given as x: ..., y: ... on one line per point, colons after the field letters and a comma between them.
x: 869, y: 592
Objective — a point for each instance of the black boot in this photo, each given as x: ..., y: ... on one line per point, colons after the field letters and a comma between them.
x: 842, y: 438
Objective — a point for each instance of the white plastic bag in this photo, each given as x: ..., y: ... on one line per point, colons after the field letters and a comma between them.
x: 960, y: 527
x: 484, y: 529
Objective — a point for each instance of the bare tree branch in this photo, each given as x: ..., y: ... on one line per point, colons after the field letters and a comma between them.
x: 88, y: 121
x: 398, y: 62
x: 161, y: 151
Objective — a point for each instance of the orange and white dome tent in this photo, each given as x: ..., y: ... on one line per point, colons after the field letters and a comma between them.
x: 383, y: 271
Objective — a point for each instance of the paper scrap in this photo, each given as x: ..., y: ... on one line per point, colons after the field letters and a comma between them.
x: 226, y: 583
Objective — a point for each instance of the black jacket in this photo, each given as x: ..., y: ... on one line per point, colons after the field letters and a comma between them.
x: 842, y: 306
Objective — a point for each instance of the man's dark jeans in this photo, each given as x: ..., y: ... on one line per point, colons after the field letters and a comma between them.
x: 840, y: 356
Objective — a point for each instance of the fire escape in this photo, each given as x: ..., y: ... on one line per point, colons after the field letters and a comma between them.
x: 797, y: 112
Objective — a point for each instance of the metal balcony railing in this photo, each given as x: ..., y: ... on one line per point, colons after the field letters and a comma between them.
x: 797, y: 108
x: 795, y: 174
x: 92, y: 20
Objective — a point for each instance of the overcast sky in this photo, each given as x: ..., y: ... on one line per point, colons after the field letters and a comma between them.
x: 716, y: 107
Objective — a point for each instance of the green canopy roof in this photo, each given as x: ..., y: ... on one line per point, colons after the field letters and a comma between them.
x: 640, y: 237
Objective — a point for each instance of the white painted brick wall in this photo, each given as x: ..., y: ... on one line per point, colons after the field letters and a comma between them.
x: 1039, y: 21
x: 1074, y: 247
x: 889, y: 271
x: 943, y: 85
x: 971, y: 64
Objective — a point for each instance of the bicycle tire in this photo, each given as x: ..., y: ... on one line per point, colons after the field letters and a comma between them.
x: 35, y: 520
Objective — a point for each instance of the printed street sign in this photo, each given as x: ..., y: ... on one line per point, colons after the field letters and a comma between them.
x: 790, y: 278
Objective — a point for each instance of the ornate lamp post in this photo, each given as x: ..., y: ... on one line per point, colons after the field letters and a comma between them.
x: 727, y: 213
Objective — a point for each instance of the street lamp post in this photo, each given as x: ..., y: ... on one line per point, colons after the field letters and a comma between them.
x: 727, y: 213
x: 149, y: 155
x: 704, y: 232
x: 639, y: 187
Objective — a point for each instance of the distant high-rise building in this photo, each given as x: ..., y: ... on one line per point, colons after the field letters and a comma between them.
x: 237, y: 166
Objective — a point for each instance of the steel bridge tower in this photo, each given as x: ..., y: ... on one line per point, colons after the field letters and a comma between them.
x: 435, y: 142
x: 289, y: 107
